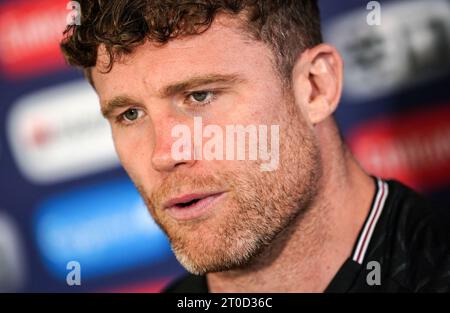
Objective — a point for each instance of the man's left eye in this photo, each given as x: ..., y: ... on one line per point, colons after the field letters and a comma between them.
x: 201, y: 96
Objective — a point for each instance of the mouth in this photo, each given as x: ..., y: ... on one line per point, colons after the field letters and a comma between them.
x: 192, y: 206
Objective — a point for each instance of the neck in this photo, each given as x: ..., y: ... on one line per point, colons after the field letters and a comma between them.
x: 306, y: 256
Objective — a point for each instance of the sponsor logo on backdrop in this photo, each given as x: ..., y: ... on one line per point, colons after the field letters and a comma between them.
x: 413, y: 147
x: 58, y: 134
x: 104, y: 228
x: 12, y: 270
x: 410, y: 46
x: 30, y: 32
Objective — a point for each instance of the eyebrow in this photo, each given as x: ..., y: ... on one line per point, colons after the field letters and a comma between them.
x: 194, y: 82
x: 171, y: 90
x: 118, y: 102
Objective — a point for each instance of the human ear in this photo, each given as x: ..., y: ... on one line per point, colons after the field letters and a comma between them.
x: 317, y: 82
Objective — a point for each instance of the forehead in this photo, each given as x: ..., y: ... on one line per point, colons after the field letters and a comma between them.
x: 223, y: 48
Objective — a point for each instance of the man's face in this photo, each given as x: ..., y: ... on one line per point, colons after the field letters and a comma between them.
x: 226, y: 79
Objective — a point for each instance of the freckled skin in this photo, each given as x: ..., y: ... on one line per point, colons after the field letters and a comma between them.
x: 261, y: 211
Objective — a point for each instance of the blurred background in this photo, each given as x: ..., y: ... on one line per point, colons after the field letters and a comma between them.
x: 64, y: 196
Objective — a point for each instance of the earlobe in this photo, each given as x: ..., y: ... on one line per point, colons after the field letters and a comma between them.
x: 317, y: 82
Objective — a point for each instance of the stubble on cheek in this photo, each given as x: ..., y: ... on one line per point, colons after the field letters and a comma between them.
x: 258, y: 207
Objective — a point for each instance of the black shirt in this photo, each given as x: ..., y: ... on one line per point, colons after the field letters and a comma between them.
x: 403, y: 246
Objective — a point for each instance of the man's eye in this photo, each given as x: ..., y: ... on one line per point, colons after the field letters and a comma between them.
x: 131, y: 115
x: 201, y: 97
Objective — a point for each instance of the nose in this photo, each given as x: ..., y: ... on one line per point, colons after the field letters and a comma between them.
x: 163, y: 159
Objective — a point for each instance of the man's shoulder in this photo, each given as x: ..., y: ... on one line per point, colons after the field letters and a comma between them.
x: 416, y: 216
x: 419, y: 234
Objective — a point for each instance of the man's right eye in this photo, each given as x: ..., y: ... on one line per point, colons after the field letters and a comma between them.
x: 130, y: 116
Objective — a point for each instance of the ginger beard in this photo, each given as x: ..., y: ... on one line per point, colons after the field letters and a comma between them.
x: 258, y: 206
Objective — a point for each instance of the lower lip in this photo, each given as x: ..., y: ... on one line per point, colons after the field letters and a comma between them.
x: 195, y: 210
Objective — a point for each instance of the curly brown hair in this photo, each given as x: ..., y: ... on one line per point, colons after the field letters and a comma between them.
x: 288, y: 27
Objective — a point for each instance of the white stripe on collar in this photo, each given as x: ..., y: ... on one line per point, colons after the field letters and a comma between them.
x: 371, y: 222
